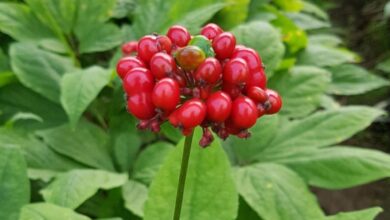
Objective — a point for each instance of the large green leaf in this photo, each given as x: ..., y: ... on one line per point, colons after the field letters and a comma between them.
x: 325, y: 39
x: 4, y: 62
x: 366, y: 214
x: 104, y: 37
x: 47, y: 211
x: 323, y: 128
x: 14, y: 185
x: 339, y: 167
x: 301, y: 89
x: 264, y: 38
x: 85, y: 144
x: 150, y: 160
x: 289, y: 5
x: 18, y: 21
x: 135, y: 195
x: 126, y: 147
x: 75, y: 187
x: 188, y: 13
x: 39, y: 70
x: 308, y: 22
x: 384, y: 65
x: 318, y: 55
x: 245, y: 212
x: 234, y: 14
x: 350, y: 79
x: 80, y: 88
x: 209, y: 193
x: 277, y: 193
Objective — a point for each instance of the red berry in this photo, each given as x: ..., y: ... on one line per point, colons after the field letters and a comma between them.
x: 189, y: 115
x: 164, y: 44
x: 224, y: 45
x: 166, y: 94
x: 190, y: 57
x: 126, y: 64
x: 257, y: 94
x: 219, y: 105
x: 244, y: 112
x: 257, y: 78
x: 275, y: 102
x: 210, y: 71
x: 138, y: 80
x: 162, y: 65
x: 211, y: 31
x: 233, y: 90
x: 235, y: 71
x: 129, y: 48
x: 179, y: 35
x: 251, y: 57
x: 147, y: 47
x: 141, y: 106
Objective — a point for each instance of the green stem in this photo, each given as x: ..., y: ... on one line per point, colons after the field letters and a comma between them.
x: 183, y: 174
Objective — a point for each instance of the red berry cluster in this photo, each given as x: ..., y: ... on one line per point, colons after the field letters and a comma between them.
x: 205, y: 80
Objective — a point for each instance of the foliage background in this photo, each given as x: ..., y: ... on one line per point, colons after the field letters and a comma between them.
x: 68, y: 149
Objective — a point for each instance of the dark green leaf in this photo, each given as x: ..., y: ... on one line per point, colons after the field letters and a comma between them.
x: 126, y: 146
x: 384, y: 65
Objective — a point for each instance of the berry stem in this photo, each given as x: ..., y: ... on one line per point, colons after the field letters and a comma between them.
x: 183, y: 175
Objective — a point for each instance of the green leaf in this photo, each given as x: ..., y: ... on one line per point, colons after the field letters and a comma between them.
x: 339, y: 167
x: 4, y: 63
x: 14, y: 184
x: 18, y: 21
x: 104, y: 37
x: 322, y: 56
x: 71, y: 189
x: 190, y: 14
x: 209, y: 193
x: 324, y: 128
x: 366, y: 214
x: 135, y: 195
x: 85, y: 144
x: 308, y: 22
x: 150, y: 161
x: 289, y: 5
x: 387, y: 10
x: 277, y: 193
x: 264, y: 38
x: 126, y: 146
x: 304, y: 84
x: 47, y: 211
x: 350, y: 79
x: 7, y: 78
x: 39, y: 70
x: 325, y: 40
x: 234, y: 14
x: 37, y: 154
x: 245, y: 212
x: 384, y: 65
x: 15, y: 98
x: 329, y: 103
x: 124, y: 8
x: 80, y: 88
x: 311, y: 8
x: 171, y: 132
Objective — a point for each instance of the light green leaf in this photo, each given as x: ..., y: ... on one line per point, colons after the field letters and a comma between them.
x: 311, y: 8
x: 324, y: 128
x: 387, y: 10
x: 289, y: 5
x: 350, y: 79
x: 123, y: 8
x: 304, y: 84
x: 234, y: 14
x: 322, y: 56
x: 209, y: 177
x: 85, y: 144
x: 339, y: 167
x: 135, y: 195
x: 7, y: 77
x: 265, y: 39
x: 329, y: 103
x: 308, y: 22
x: 14, y: 184
x: 80, y: 88
x: 277, y: 193
x: 39, y: 70
x: 75, y: 187
x: 384, y: 65
x: 18, y: 21
x: 126, y: 146
x: 47, y: 211
x: 150, y: 161
x: 41, y: 174
x: 366, y: 214
x: 104, y: 37
x: 325, y: 40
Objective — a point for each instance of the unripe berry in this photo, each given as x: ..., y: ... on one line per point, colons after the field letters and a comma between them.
x: 189, y: 115
x: 211, y: 31
x: 129, y: 48
x: 235, y: 71
x: 275, y: 101
x: 162, y: 65
x: 224, y: 45
x: 166, y: 94
x: 244, y: 112
x: 190, y: 57
x: 219, y: 105
x: 141, y: 106
x: 209, y: 72
x: 126, y: 64
x: 251, y: 57
x: 138, y: 80
x: 179, y: 35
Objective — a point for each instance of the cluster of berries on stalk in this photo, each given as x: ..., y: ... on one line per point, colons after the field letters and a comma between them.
x: 205, y: 80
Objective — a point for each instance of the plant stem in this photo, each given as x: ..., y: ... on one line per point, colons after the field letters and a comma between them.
x: 183, y: 174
